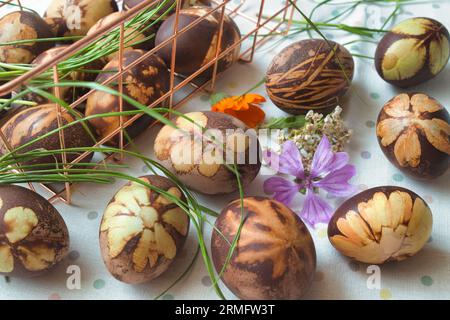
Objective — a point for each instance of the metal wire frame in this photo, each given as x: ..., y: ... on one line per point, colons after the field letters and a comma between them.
x: 221, y: 6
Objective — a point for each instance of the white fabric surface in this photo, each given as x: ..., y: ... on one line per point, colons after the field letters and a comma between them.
x: 424, y: 276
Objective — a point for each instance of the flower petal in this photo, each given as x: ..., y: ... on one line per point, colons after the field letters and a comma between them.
x: 398, y: 107
x: 422, y: 103
x: 336, y: 182
x: 322, y: 159
x: 437, y: 132
x: 315, y: 209
x: 288, y: 162
x: 389, y: 130
x: 253, y: 98
x: 284, y: 190
x: 407, y: 149
x: 340, y: 159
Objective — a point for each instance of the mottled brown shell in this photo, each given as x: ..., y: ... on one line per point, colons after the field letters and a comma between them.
x: 146, y: 82
x: 68, y: 94
x: 381, y: 224
x: 76, y: 17
x: 23, y: 25
x: 34, y: 122
x: 275, y: 257
x: 309, y: 75
x: 200, y: 171
x: 133, y: 37
x: 413, y: 131
x: 33, y: 235
x: 413, y: 52
x: 198, y: 46
x: 142, y: 231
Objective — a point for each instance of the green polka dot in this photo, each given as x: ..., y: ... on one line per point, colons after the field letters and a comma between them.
x: 355, y: 48
x: 426, y: 281
x: 374, y: 95
x: 204, y: 97
x: 168, y: 297
x: 398, y: 177
x: 370, y: 123
x: 92, y: 215
x: 335, y: 12
x: 322, y: 233
x: 436, y: 6
x: 385, y: 294
x: 99, y: 284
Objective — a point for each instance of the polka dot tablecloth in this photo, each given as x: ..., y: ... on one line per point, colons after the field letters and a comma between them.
x: 424, y: 276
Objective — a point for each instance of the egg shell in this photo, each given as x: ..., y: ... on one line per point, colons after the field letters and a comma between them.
x: 413, y: 130
x: 33, y: 235
x: 142, y: 231
x: 133, y: 37
x: 185, y: 152
x: 381, y: 224
x: 68, y: 94
x: 76, y: 17
x: 309, y: 75
x: 275, y: 257
x: 414, y: 51
x: 197, y: 46
x: 34, y: 122
x: 146, y: 82
x: 23, y: 25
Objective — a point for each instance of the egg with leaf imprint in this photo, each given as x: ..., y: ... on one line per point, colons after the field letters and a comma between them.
x: 274, y: 258
x: 76, y: 17
x: 67, y: 93
x: 204, y: 150
x: 23, y: 25
x: 413, y: 52
x: 145, y: 82
x: 142, y: 230
x: 381, y: 224
x: 413, y: 131
x: 22, y: 130
x: 198, y: 46
x: 33, y: 235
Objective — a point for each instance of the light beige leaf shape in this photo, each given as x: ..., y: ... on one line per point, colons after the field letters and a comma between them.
x: 399, y: 227
x: 439, y: 54
x: 422, y: 103
x: 19, y: 222
x: 437, y: 132
x: 407, y: 149
x: 37, y: 257
x: 6, y: 259
x: 403, y: 59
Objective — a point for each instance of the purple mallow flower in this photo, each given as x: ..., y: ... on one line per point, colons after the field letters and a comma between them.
x: 329, y: 171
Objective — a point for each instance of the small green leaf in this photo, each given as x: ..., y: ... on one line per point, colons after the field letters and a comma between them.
x: 217, y: 97
x: 292, y: 122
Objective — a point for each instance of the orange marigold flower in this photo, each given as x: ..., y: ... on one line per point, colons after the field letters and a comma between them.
x: 246, y: 108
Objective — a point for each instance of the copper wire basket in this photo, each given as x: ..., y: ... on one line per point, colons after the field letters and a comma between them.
x: 277, y: 22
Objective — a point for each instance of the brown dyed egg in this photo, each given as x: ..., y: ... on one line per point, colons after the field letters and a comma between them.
x: 68, y: 94
x: 33, y: 235
x: 23, y: 25
x: 198, y: 46
x: 146, y: 82
x: 76, y: 17
x: 413, y: 52
x: 133, y: 37
x: 275, y: 257
x: 35, y: 122
x: 309, y: 75
x: 381, y: 224
x: 413, y: 131
x: 142, y: 231
x: 199, y: 160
